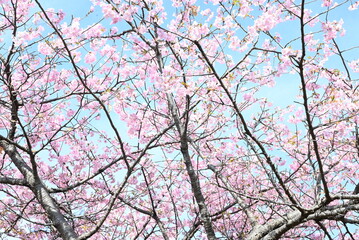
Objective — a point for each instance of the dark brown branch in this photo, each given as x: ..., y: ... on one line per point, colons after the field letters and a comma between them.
x: 306, y: 104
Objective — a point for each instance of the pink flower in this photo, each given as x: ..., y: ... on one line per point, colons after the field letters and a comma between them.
x: 76, y: 56
x: 90, y: 58
x: 294, y: 166
x: 279, y: 161
x: 354, y: 65
x: 327, y: 3
x: 354, y: 6
x: 44, y: 48
x: 331, y: 29
x: 248, y: 97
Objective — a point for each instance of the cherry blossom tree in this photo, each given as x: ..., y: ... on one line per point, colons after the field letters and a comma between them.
x: 182, y: 119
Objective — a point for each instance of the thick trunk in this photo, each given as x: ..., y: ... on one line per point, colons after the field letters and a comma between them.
x: 275, y: 228
x: 195, y: 185
x: 41, y: 192
x: 196, y: 189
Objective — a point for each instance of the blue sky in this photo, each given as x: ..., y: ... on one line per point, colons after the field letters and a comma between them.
x: 283, y: 93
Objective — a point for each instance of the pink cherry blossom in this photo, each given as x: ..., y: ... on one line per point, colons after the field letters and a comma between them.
x: 44, y: 48
x: 182, y: 119
x: 90, y: 58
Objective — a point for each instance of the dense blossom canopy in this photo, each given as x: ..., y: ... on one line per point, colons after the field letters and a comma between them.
x: 182, y: 119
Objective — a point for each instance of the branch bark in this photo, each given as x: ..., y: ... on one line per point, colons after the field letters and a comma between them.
x: 41, y: 192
